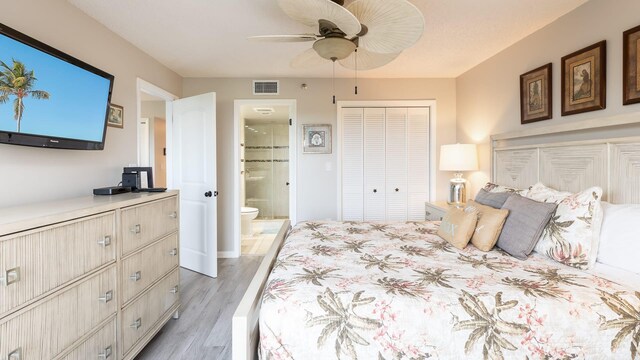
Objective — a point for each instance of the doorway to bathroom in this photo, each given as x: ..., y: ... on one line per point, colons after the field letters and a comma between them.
x: 266, y: 168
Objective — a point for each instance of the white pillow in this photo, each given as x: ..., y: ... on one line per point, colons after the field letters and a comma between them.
x: 620, y: 237
x: 572, y: 235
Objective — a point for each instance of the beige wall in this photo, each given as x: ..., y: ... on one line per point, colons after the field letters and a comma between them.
x: 488, y: 95
x: 316, y: 186
x: 32, y: 174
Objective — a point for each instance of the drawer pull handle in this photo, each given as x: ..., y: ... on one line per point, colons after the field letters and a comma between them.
x: 106, y: 353
x: 136, y: 276
x: 15, y: 354
x: 108, y: 296
x: 105, y: 241
x: 173, y: 252
x: 173, y: 215
x: 136, y: 229
x: 136, y: 324
x: 11, y: 276
x: 174, y: 290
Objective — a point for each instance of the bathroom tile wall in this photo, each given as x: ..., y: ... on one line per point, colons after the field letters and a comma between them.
x: 267, y: 168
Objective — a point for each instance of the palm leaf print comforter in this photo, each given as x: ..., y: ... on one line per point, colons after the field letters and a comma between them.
x: 357, y: 290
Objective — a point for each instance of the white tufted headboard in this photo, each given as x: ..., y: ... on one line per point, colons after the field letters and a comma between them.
x: 572, y: 157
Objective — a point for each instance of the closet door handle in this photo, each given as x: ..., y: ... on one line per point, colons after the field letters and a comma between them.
x: 174, y: 215
x: 173, y: 252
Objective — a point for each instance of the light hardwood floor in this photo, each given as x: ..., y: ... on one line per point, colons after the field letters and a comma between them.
x: 204, y: 328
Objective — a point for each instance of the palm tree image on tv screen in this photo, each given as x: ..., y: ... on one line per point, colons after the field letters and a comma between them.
x: 18, y: 82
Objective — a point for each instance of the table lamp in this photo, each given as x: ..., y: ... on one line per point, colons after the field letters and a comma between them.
x: 458, y: 158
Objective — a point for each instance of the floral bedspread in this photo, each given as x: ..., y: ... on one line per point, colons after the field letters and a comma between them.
x: 397, y: 291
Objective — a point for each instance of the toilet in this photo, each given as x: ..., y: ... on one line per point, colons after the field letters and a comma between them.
x: 246, y: 219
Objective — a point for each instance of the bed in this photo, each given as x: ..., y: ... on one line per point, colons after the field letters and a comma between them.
x: 344, y: 290
x: 358, y: 290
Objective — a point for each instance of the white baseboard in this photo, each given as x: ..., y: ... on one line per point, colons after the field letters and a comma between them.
x: 227, y: 254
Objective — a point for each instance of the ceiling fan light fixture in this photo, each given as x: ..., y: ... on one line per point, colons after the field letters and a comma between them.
x: 334, y: 48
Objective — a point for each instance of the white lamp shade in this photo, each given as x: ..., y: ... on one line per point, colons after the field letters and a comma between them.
x: 458, y: 157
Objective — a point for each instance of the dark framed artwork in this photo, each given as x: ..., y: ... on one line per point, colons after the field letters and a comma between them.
x: 631, y: 66
x: 116, y: 116
x: 317, y: 139
x: 535, y: 95
x: 584, y: 78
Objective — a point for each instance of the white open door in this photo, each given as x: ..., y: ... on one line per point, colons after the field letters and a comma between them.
x: 194, y: 174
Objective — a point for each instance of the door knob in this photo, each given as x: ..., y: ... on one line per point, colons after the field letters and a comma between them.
x: 208, y: 194
x: 375, y: 190
x: 287, y: 183
x: 397, y: 189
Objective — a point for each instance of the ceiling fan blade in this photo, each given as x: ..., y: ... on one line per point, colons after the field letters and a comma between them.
x: 284, y: 38
x: 307, y: 59
x: 309, y: 12
x: 367, y: 60
x: 393, y: 25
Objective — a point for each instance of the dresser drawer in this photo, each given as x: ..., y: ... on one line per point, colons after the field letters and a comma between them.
x: 33, y: 263
x: 145, y: 223
x: 49, y: 327
x: 143, y: 314
x: 147, y: 266
x: 101, y: 345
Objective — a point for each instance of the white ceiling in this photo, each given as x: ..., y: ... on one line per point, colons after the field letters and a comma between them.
x: 207, y: 38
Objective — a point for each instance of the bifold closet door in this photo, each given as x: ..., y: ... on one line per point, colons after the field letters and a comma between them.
x: 352, y: 164
x: 396, y: 159
x: 417, y: 162
x: 374, y: 164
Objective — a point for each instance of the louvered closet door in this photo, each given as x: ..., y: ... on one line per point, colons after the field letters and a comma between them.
x: 418, y: 162
x: 352, y: 164
x: 374, y: 164
x: 396, y: 158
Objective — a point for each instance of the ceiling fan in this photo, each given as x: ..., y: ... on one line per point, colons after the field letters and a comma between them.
x: 364, y: 35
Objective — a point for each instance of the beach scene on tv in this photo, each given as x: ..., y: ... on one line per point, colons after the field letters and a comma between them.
x: 43, y: 95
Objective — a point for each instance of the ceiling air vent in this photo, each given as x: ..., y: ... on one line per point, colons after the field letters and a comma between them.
x: 266, y: 87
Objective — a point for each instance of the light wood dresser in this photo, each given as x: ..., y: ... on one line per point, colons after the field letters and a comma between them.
x: 88, y: 278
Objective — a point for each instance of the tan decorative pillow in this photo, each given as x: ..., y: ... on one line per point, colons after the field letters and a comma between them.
x: 489, y: 226
x: 458, y: 225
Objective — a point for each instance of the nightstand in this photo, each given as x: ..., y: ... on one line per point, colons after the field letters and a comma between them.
x: 435, y: 210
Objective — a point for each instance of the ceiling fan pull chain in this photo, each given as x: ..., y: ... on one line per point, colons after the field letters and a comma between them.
x: 333, y: 81
x: 356, y: 55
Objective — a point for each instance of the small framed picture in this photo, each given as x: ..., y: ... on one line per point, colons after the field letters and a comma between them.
x: 535, y: 95
x: 116, y: 116
x: 631, y: 66
x: 584, y: 80
x: 317, y: 139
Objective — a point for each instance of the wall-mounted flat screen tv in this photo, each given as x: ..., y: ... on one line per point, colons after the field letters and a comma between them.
x: 49, y: 98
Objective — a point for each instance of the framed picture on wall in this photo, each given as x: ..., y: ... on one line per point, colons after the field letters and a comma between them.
x: 116, y: 116
x: 535, y: 95
x: 584, y: 80
x: 317, y: 139
x: 631, y: 66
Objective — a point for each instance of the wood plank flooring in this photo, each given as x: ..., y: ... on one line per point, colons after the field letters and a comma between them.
x: 204, y: 328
